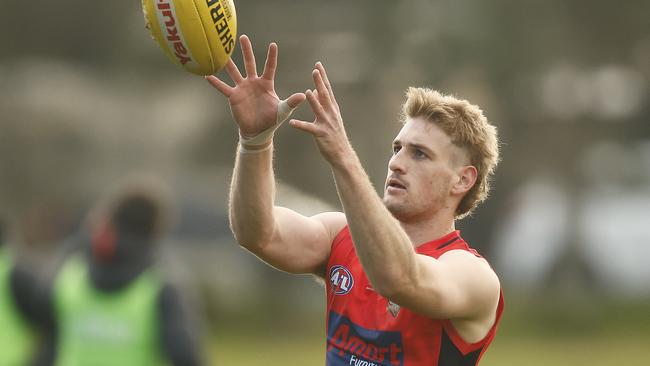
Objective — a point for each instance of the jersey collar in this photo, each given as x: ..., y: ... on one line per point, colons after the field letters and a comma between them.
x: 441, y: 242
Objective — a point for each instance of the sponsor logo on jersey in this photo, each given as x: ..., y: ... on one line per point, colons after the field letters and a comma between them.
x: 220, y: 17
x: 103, y: 329
x: 350, y: 344
x: 341, y: 280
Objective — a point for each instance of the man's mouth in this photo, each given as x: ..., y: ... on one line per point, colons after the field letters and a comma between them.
x: 395, y: 184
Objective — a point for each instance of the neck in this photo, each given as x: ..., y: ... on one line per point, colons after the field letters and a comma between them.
x: 422, y: 231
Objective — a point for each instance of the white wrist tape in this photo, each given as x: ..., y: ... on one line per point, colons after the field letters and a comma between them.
x: 244, y: 150
x: 284, y: 111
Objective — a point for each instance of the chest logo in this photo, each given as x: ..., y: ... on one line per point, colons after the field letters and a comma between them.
x: 341, y: 280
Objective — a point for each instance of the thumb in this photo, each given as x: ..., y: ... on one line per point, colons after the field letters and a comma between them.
x: 295, y: 99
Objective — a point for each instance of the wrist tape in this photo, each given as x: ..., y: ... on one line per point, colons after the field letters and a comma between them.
x: 264, y: 137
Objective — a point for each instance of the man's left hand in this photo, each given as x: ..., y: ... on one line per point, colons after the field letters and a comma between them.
x: 327, y: 128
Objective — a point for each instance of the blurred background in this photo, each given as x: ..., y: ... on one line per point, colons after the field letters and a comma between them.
x: 87, y: 97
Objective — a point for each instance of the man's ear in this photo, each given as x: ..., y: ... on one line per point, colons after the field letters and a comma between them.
x: 466, y: 179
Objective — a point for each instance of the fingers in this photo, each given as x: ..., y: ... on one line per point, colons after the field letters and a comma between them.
x: 224, y: 88
x: 295, y: 99
x: 249, y: 57
x: 271, y: 62
x: 323, y: 95
x: 233, y: 71
x: 309, y: 127
x: 326, y: 80
x: 316, y: 107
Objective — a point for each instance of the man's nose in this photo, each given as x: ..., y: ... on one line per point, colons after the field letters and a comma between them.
x: 396, y: 162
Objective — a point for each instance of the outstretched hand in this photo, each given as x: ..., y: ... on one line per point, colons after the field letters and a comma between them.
x: 327, y: 128
x: 253, y: 100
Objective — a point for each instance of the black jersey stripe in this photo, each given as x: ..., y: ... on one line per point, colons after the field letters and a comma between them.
x: 449, y: 242
x: 451, y: 356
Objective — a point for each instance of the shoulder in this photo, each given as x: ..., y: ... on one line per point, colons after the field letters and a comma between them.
x: 467, y: 261
x: 333, y: 222
x: 474, y: 274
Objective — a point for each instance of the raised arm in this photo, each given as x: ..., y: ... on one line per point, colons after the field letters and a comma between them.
x: 281, y: 237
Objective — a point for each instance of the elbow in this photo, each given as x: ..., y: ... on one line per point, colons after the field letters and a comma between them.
x: 406, y: 292
x: 389, y: 292
x: 251, y: 231
x: 393, y: 288
x: 251, y: 241
x: 401, y: 288
x: 251, y: 238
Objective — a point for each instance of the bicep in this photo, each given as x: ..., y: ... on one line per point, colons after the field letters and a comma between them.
x: 300, y: 244
x: 458, y: 285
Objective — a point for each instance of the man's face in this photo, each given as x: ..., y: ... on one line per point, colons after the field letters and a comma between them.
x: 421, y: 171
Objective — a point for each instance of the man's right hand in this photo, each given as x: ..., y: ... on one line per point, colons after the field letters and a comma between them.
x: 281, y: 237
x: 253, y: 100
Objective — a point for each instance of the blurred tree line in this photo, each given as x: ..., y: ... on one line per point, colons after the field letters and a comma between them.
x: 86, y: 96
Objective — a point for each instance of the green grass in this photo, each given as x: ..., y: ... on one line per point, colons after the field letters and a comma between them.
x: 550, y: 333
x: 270, y: 350
x: 600, y: 351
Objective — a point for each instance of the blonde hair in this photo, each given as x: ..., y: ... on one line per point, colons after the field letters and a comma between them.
x: 468, y: 129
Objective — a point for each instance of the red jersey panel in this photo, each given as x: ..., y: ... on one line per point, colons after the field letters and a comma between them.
x: 365, y: 329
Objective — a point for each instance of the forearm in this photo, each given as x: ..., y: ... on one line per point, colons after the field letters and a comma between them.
x: 383, y: 247
x: 385, y: 250
x: 252, y: 192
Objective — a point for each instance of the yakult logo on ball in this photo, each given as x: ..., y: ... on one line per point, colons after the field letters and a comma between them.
x: 341, y: 280
x: 167, y: 17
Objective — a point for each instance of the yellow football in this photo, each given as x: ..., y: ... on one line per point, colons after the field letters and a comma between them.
x: 197, y: 35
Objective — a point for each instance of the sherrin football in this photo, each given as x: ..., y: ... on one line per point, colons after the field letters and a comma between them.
x: 197, y: 35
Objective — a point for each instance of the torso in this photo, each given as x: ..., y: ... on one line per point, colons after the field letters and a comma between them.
x: 105, y: 328
x: 365, y: 329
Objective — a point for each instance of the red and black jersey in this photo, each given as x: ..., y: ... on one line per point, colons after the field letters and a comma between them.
x: 365, y: 329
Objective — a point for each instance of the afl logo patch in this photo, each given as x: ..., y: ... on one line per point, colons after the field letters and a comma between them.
x: 341, y: 280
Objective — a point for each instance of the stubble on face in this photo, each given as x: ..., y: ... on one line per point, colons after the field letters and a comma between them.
x: 417, y: 206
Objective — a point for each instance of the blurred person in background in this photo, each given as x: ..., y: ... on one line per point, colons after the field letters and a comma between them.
x: 17, y: 287
x: 109, y: 305
x: 403, y: 287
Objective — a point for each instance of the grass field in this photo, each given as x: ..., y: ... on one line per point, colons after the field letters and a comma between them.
x: 552, y: 334
x: 525, y: 351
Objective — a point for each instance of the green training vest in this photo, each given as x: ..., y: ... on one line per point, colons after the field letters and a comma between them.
x: 16, y: 338
x: 106, y: 328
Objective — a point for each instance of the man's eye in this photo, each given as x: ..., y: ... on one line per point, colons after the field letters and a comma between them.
x: 396, y: 149
x: 420, y: 154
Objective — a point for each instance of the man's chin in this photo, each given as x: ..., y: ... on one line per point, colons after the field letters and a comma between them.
x: 393, y: 207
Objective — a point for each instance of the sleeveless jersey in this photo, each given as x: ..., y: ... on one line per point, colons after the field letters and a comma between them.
x: 106, y: 328
x: 365, y: 329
